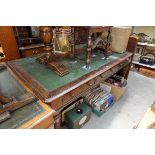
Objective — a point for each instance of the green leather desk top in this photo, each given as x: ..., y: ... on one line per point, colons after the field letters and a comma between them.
x: 50, y: 81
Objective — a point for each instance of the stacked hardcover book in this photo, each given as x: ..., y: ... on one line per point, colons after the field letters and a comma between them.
x: 100, y: 100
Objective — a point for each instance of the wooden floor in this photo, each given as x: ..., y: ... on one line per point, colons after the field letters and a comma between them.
x: 145, y: 71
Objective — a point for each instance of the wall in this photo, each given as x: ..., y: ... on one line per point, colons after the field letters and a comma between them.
x: 148, y: 30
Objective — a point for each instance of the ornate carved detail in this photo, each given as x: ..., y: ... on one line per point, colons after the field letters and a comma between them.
x: 108, y: 43
x: 83, y: 35
x: 46, y: 35
x: 48, y: 59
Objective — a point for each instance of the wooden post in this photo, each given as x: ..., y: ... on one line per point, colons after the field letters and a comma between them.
x: 131, y: 47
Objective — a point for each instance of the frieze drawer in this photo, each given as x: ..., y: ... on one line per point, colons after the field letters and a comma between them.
x: 77, y: 92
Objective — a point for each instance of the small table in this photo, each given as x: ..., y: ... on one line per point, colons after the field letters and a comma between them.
x: 83, y: 35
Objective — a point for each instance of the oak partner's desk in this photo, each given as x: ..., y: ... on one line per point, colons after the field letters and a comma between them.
x: 58, y: 91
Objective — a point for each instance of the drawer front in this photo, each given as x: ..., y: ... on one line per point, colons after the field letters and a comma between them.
x: 77, y: 92
x: 111, y: 71
x: 31, y: 52
x: 71, y: 95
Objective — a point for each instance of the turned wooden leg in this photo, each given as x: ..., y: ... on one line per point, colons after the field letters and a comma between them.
x: 72, y: 54
x: 89, y: 51
x: 88, y: 59
x: 107, y: 47
x: 137, y: 67
x: 57, y: 121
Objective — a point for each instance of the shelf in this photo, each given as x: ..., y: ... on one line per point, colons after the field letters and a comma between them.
x: 144, y: 65
x: 146, y: 44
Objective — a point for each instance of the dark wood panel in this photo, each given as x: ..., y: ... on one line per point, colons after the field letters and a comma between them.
x: 131, y: 47
x: 8, y: 43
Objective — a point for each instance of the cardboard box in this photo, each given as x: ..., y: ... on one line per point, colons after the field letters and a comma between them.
x: 116, y: 91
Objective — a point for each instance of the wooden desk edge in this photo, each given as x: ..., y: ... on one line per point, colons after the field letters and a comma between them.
x: 41, y: 121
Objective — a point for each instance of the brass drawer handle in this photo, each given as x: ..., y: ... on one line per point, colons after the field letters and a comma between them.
x: 35, y: 52
x: 90, y: 83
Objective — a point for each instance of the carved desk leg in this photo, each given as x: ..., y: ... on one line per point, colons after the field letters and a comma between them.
x: 57, y: 121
